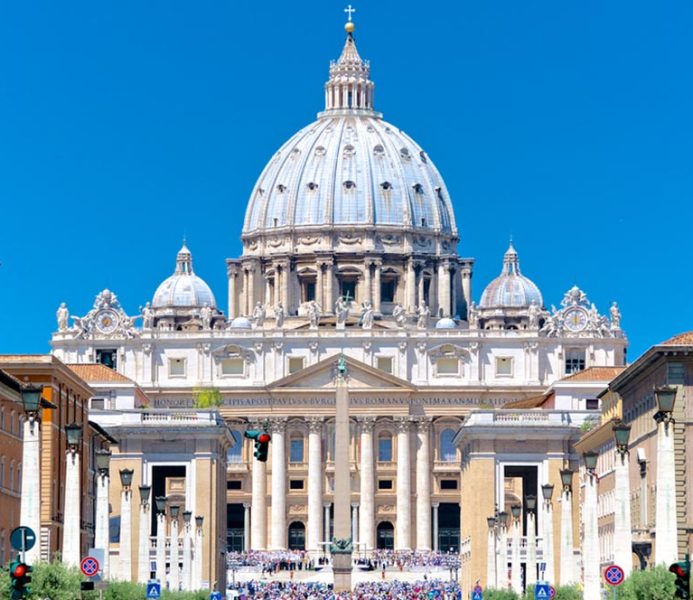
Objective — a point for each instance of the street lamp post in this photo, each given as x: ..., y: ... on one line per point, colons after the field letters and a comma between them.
x: 531, y: 568
x: 187, y: 551
x: 125, y: 551
x: 197, y: 553
x: 666, y: 540
x: 161, y: 539
x: 547, y: 494
x: 72, y: 526
x: 30, y: 507
x: 590, y: 541
x: 502, y: 565
x: 491, y: 553
x: 143, y: 535
x: 567, y: 572
x: 516, y: 569
x: 101, y: 539
x: 174, y: 556
x: 623, y: 534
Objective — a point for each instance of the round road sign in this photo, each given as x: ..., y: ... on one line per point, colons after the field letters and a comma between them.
x: 89, y: 566
x: 614, y: 575
x: 552, y: 592
x: 22, y: 538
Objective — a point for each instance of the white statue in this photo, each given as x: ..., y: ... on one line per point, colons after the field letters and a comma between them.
x: 313, y: 314
x: 206, y: 316
x: 341, y: 310
x: 398, y: 314
x: 62, y: 315
x: 424, y: 313
x: 533, y: 312
x: 147, y: 316
x: 472, y: 315
x: 279, y: 316
x: 615, y: 317
x: 259, y: 314
x: 367, y: 315
x: 81, y: 326
x: 127, y: 325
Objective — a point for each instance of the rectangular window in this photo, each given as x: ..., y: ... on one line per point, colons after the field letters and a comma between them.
x: 504, y: 366
x: 385, y: 449
x: 296, y: 484
x: 107, y: 358
x: 448, y: 366
x: 234, y: 484
x: 296, y: 450
x: 387, y: 290
x: 385, y: 484
x: 448, y: 484
x: 384, y: 363
x: 232, y: 366
x: 675, y: 374
x: 592, y: 404
x: 348, y: 288
x: 98, y: 403
x: 308, y: 291
x: 295, y: 364
x: 574, y: 360
x: 176, y: 367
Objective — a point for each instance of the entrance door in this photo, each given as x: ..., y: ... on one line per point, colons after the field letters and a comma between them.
x: 449, y: 527
x: 385, y: 536
x: 235, y: 514
x: 297, y: 536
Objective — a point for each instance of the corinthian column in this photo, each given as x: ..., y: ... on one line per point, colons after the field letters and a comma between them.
x: 315, y: 477
x: 444, y: 288
x: 258, y: 517
x: 367, y: 472
x: 403, y: 532
x: 72, y: 547
x: 278, y: 532
x: 423, y: 485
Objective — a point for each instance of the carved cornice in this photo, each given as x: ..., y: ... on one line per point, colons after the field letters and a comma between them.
x: 278, y: 424
x: 423, y: 424
x: 402, y: 424
x: 315, y: 424
x: 367, y: 424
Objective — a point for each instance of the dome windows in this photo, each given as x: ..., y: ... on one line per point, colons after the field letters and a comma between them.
x: 378, y: 151
x: 295, y: 153
x: 320, y: 151
x: 281, y: 188
x: 404, y: 153
x: 418, y: 188
x: 349, y: 151
x: 312, y: 186
x: 349, y: 184
x: 386, y: 185
x: 422, y: 154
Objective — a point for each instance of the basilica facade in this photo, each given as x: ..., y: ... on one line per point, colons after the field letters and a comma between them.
x: 350, y: 249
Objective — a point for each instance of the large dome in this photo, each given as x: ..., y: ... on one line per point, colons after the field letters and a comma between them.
x: 183, y: 289
x: 511, y: 289
x: 350, y: 169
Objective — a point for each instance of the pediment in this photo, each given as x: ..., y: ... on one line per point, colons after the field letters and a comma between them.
x: 322, y: 375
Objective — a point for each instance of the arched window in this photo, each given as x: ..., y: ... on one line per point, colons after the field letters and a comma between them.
x: 235, y: 453
x: 448, y: 452
x: 385, y: 533
x: 385, y: 447
x: 296, y: 448
x: 297, y: 536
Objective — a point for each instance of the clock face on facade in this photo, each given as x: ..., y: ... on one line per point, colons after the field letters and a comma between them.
x: 107, y: 321
x: 575, y: 319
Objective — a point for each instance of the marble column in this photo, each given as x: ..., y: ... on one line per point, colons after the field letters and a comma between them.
x: 258, y: 531
x: 531, y: 568
x: 328, y: 304
x: 666, y: 535
x: 467, y: 287
x: 367, y: 474
x: 420, y: 280
x: 186, y: 577
x: 436, y: 506
x: 278, y: 446
x: 125, y: 547
x: 326, y: 516
x: 403, y: 531
x: 567, y: 570
x: 101, y: 537
x: 444, y: 288
x: 232, y: 274
x: 319, y: 285
x: 623, y: 535
x: 286, y: 286
x: 377, y: 289
x: 491, y: 559
x: 72, y: 545
x: 423, y: 485
x: 590, y: 541
x: 367, y: 288
x: 246, y: 527
x: 174, y: 557
x: 355, y: 525
x: 502, y: 567
x: 515, y: 565
x: 411, y: 288
x: 197, y: 555
x: 315, y: 479
x: 341, y: 562
x: 143, y: 572
x: 30, y: 500
x: 161, y: 548
x: 548, y: 545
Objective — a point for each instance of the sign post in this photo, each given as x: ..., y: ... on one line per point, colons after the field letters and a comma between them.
x: 22, y: 539
x: 614, y: 576
x: 477, y: 593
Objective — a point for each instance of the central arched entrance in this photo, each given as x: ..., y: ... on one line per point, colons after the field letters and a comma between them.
x: 385, y: 536
x: 297, y: 536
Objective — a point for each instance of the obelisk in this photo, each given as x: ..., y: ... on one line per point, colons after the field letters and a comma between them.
x: 342, y: 547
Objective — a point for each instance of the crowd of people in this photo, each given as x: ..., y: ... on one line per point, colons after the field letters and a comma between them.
x: 431, y: 589
x: 299, y: 560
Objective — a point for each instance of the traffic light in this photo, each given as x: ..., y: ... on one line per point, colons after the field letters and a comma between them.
x: 682, y: 570
x: 20, y: 578
x: 262, y: 440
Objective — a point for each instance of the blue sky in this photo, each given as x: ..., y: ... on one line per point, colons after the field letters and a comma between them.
x: 125, y: 125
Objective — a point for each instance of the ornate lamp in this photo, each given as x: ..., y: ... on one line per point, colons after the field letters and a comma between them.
x: 145, y: 492
x: 175, y: 509
x: 590, y: 459
x: 516, y: 510
x: 103, y: 459
x: 567, y: 479
x: 187, y: 515
x: 491, y: 522
x: 666, y: 397
x: 547, y: 491
x: 74, y: 436
x: 198, y: 521
x: 531, y: 503
x: 503, y: 519
x: 126, y: 478
x: 621, y: 434
x: 31, y: 399
x: 160, y: 504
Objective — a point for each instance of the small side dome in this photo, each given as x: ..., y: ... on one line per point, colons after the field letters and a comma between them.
x: 511, y: 289
x: 446, y: 323
x: 240, y: 323
x: 183, y: 289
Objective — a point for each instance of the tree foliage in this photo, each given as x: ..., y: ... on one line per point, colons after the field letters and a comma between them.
x: 655, y: 584
x: 491, y: 594
x: 207, y: 397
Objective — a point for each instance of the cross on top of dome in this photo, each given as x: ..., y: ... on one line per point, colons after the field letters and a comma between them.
x: 349, y: 10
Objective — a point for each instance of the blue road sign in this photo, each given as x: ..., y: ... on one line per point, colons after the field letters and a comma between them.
x: 153, y: 589
x: 216, y: 596
x: 542, y: 591
x: 22, y: 538
x: 477, y: 594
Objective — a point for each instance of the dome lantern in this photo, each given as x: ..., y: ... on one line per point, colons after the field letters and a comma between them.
x: 183, y: 289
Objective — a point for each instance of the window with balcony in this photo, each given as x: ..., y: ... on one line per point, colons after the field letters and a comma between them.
x: 574, y: 360
x: 296, y: 449
x: 448, y: 453
x: 448, y: 365
x: 385, y: 447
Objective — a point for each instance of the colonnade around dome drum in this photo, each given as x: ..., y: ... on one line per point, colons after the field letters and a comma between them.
x: 444, y: 283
